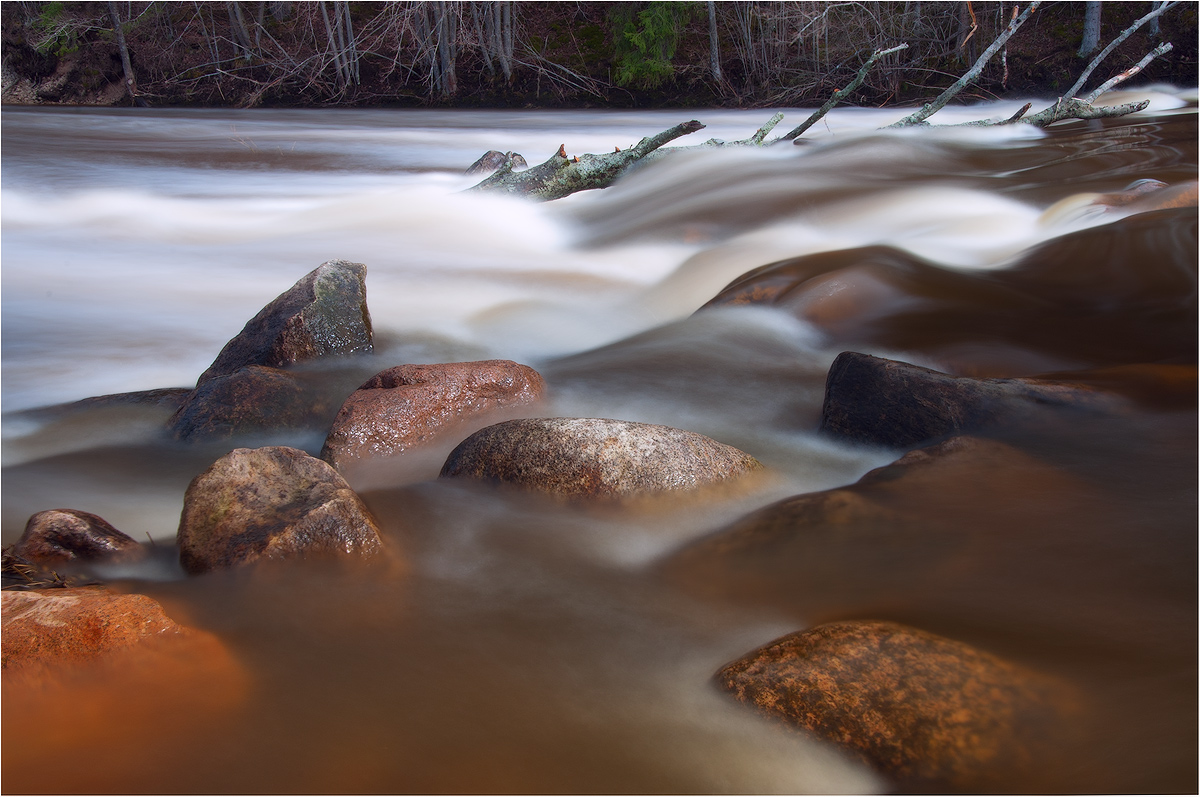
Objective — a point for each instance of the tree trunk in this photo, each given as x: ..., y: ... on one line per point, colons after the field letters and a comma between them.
x: 714, y: 54
x: 1091, y: 28
x: 126, y: 64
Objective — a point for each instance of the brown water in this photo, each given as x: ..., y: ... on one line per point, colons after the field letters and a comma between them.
x: 510, y: 644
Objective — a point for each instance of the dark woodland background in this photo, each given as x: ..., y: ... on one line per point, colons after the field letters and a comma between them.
x: 507, y: 54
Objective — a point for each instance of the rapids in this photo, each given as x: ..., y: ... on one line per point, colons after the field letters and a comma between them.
x: 530, y: 647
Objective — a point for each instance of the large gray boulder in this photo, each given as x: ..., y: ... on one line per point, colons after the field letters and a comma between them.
x: 412, y: 405
x: 324, y: 313
x: 596, y: 457
x: 271, y: 503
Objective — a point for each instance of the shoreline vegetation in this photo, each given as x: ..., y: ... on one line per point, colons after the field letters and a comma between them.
x: 503, y: 54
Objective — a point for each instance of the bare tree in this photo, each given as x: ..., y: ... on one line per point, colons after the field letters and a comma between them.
x: 123, y: 49
x: 1091, y: 28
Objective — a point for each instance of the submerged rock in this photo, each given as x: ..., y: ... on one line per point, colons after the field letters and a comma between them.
x: 926, y: 711
x: 48, y: 628
x: 251, y: 399
x: 58, y: 536
x: 492, y: 160
x: 891, y: 403
x: 325, y: 313
x: 411, y: 405
x: 271, y: 503
x: 596, y: 457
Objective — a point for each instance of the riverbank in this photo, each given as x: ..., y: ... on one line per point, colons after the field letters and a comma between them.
x: 554, y: 55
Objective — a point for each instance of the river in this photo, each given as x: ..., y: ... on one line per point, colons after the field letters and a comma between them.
x: 533, y: 648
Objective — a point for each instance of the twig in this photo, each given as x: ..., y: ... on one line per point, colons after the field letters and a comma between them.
x: 1161, y: 49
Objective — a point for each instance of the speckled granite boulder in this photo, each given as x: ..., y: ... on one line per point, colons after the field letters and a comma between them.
x: 411, y: 405
x: 57, y: 536
x: 271, y: 503
x: 596, y: 457
x: 926, y: 711
x: 325, y: 313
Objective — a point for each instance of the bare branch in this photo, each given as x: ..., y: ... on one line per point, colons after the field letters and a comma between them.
x: 1079, y: 84
x: 1161, y: 49
x: 931, y: 108
x: 840, y: 94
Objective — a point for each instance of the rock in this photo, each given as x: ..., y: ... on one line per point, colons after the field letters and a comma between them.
x: 251, y: 399
x: 411, y: 405
x: 596, y: 457
x: 492, y: 160
x: 884, y: 402
x: 1074, y: 302
x: 325, y: 313
x: 271, y: 503
x: 926, y: 711
x: 48, y: 628
x: 57, y: 536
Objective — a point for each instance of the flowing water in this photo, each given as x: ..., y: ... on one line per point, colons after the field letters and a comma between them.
x: 525, y: 646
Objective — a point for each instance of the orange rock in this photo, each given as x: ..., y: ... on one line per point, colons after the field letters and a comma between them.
x: 926, y: 711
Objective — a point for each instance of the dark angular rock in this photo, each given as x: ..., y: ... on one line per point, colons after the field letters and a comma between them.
x: 411, y: 405
x: 890, y: 403
x: 57, y: 536
x: 926, y: 711
x: 271, y: 503
x: 325, y: 313
x: 596, y: 457
x: 251, y: 399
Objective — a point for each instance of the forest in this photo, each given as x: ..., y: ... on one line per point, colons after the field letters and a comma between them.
x: 505, y: 54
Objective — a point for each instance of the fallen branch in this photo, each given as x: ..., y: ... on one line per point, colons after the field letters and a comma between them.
x: 840, y: 94
x: 929, y: 109
x: 562, y: 176
x: 1161, y: 49
x: 1079, y: 84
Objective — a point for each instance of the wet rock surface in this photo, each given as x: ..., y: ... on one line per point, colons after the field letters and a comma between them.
x: 926, y: 711
x: 271, y: 503
x: 1068, y: 304
x: 251, y: 399
x: 884, y: 402
x: 411, y: 405
x: 324, y: 313
x: 596, y: 457
x: 58, y: 536
x: 48, y: 628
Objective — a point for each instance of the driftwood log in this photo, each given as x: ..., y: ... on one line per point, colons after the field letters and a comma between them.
x: 562, y: 175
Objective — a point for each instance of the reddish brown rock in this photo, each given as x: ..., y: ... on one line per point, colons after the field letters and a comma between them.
x: 325, y: 313
x: 251, y: 399
x: 596, y: 457
x: 48, y: 628
x: 271, y: 503
x: 57, y: 536
x: 891, y: 403
x: 926, y: 711
x: 412, y: 405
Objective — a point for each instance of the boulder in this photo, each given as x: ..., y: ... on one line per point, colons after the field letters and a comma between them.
x: 271, y: 503
x: 492, y: 160
x: 325, y: 313
x: 596, y: 457
x: 929, y: 713
x: 251, y: 399
x: 58, y: 536
x: 411, y: 405
x: 48, y: 628
x: 890, y: 403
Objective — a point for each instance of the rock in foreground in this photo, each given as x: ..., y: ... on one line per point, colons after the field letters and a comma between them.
x: 48, y: 628
x: 325, y: 313
x: 596, y: 457
x: 410, y: 405
x: 891, y: 403
x: 271, y: 503
x: 926, y: 711
x: 57, y: 536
